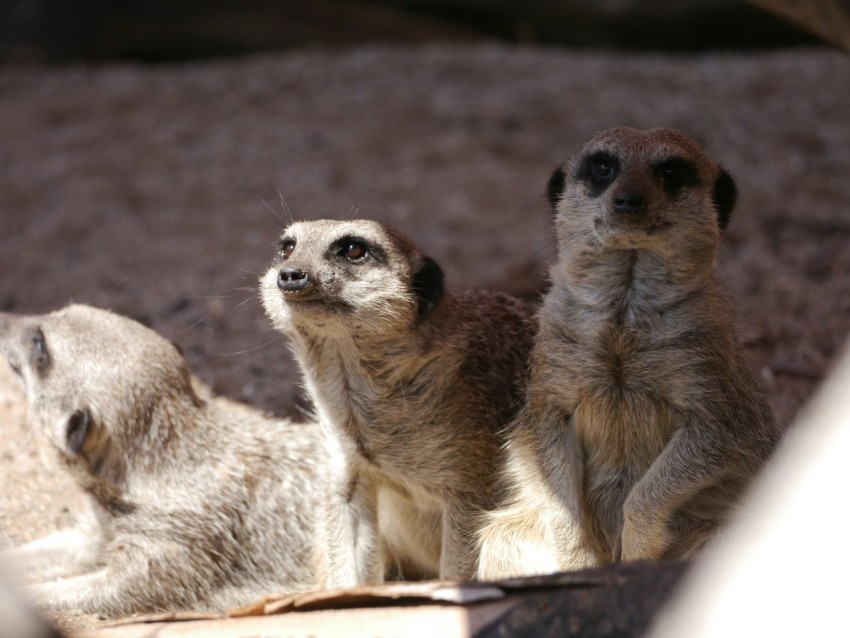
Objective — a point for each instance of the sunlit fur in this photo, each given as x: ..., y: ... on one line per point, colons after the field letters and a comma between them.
x: 196, y: 502
x: 413, y: 397
x: 643, y: 423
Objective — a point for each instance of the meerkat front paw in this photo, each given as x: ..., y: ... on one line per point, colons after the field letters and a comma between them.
x: 643, y: 538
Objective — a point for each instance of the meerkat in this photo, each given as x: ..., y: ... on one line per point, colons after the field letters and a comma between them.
x: 413, y: 386
x: 194, y: 501
x: 643, y: 423
x: 19, y: 621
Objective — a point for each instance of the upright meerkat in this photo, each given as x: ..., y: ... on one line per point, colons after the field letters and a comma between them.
x: 643, y: 422
x: 413, y: 386
x: 197, y: 502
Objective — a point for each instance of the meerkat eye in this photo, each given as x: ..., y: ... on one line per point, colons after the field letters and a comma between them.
x: 676, y: 174
x: 354, y: 251
x: 600, y: 169
x: 39, y: 356
x: 286, y: 248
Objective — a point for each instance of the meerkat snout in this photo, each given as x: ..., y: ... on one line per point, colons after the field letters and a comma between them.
x: 630, y: 200
x: 293, y: 280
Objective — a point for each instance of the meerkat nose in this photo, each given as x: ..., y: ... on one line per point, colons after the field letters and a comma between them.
x: 629, y: 203
x: 292, y: 279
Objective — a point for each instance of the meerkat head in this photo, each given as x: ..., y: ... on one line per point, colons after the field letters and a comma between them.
x: 356, y: 273
x: 632, y: 189
x: 93, y: 379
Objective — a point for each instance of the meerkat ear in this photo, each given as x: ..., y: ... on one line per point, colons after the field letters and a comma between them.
x: 76, y: 430
x: 428, y: 285
x: 724, y: 196
x: 555, y: 187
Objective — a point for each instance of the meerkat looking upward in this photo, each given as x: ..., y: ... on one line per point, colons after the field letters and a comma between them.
x: 643, y: 423
x: 413, y: 386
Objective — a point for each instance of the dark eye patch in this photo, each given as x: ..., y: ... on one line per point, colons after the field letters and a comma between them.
x: 599, y: 170
x: 356, y: 250
x: 39, y: 355
x: 285, y: 248
x: 676, y: 173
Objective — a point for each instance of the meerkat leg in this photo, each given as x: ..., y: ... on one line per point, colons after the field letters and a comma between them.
x: 67, y: 552
x: 350, y: 534
x: 98, y: 592
x: 137, y: 577
x: 515, y: 542
x: 411, y: 536
x: 457, y: 556
x: 540, y: 530
x: 686, y: 465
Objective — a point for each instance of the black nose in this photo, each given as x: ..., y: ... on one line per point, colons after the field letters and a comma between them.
x: 291, y: 279
x: 629, y: 203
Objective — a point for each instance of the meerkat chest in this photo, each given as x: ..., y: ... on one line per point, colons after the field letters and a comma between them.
x: 623, y: 414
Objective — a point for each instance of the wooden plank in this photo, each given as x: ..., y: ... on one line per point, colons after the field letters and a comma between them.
x: 426, y: 621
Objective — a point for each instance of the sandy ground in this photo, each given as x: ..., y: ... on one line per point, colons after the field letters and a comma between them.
x: 156, y: 192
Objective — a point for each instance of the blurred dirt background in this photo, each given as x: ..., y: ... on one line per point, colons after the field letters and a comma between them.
x: 158, y: 191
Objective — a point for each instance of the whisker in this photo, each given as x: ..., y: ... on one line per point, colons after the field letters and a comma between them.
x: 274, y: 212
x: 216, y: 297
x: 727, y: 256
x: 250, y: 272
x: 247, y: 350
x: 284, y: 203
x: 241, y: 303
x: 192, y: 325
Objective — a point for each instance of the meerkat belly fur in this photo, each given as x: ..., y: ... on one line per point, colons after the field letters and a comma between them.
x: 643, y: 422
x: 414, y: 386
x: 196, y: 502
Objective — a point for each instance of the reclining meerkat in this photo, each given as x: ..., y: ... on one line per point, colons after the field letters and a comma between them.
x: 413, y: 386
x: 643, y: 423
x: 197, y: 502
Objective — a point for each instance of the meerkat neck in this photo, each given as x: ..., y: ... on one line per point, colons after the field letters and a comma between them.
x: 346, y: 374
x: 628, y: 282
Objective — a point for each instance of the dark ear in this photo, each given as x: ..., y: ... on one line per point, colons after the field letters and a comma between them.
x: 428, y: 286
x: 76, y: 431
x: 555, y: 187
x: 724, y: 196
